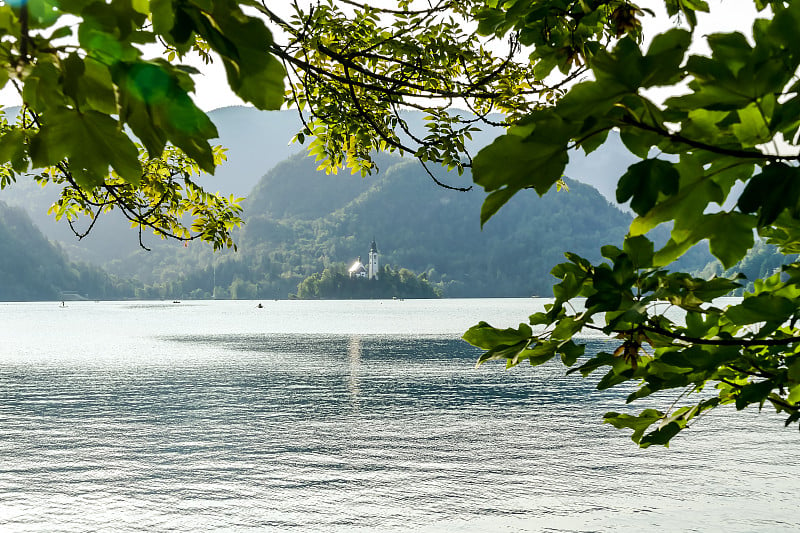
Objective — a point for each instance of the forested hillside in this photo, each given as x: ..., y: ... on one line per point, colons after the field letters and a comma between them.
x: 302, y: 221
x: 32, y: 268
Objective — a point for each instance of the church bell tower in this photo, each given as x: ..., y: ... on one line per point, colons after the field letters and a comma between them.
x: 373, y: 261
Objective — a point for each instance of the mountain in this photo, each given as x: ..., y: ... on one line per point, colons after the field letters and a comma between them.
x: 299, y: 221
x: 302, y: 221
x: 256, y: 142
x: 32, y: 268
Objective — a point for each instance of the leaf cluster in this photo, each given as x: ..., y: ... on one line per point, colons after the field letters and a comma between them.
x: 737, y: 122
x: 354, y: 66
x: 91, y: 94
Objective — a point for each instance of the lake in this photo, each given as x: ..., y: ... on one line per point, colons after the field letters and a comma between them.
x: 345, y: 416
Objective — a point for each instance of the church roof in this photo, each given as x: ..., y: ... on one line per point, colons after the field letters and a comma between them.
x: 357, y: 267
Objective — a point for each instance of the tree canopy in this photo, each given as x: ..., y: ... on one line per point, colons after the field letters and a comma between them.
x: 717, y: 159
x: 732, y: 118
x: 119, y: 130
x: 105, y: 89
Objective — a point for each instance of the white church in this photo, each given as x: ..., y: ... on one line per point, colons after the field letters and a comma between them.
x: 358, y: 270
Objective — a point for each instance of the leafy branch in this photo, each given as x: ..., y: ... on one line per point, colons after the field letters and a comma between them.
x: 707, y: 140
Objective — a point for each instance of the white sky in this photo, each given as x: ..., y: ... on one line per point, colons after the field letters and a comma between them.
x: 212, y: 91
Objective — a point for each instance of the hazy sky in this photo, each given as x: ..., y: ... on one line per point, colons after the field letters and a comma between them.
x: 212, y: 91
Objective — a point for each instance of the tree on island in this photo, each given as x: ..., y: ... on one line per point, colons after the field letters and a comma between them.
x: 335, y: 284
x: 353, y: 67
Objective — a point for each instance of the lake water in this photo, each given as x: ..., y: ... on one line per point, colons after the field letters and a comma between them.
x: 345, y: 416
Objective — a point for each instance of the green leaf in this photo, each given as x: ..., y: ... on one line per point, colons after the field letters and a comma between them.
x: 598, y: 361
x: 730, y: 235
x: 754, y: 393
x: 97, y: 87
x: 614, y: 378
x: 566, y: 328
x: 752, y: 128
x: 157, y: 106
x: 487, y: 337
x: 244, y: 43
x: 91, y: 142
x: 503, y: 351
x: 570, y: 352
x: 638, y: 423
x: 708, y: 290
x: 686, y: 207
x: 595, y: 141
x: 42, y: 89
x: 515, y: 163
x: 776, y: 188
x: 589, y: 98
x: 664, y: 57
x: 538, y: 355
x: 12, y: 149
x: 662, y: 435
x: 640, y: 249
x: 141, y: 6
x: 163, y: 16
x: 764, y: 307
x: 731, y: 49
x: 622, y: 68
x: 493, y: 202
x: 714, y: 88
x: 644, y: 181
x: 639, y: 142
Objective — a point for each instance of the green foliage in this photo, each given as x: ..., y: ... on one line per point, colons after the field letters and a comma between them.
x: 737, y: 121
x: 90, y: 95
x: 164, y: 198
x: 334, y: 284
x: 96, y: 77
x: 354, y: 66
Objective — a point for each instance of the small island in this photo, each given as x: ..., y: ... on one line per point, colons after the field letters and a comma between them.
x: 359, y: 282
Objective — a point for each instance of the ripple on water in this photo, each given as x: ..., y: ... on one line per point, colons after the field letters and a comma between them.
x: 364, y: 433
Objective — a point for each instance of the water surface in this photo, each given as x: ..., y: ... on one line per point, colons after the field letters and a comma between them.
x: 344, y: 416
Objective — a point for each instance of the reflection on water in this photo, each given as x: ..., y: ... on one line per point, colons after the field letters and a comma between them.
x: 354, y: 356
x: 227, y: 430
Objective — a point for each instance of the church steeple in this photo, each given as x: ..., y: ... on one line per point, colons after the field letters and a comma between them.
x: 373, y: 260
